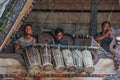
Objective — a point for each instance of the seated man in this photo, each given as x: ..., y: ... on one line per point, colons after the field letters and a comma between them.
x: 27, y: 38
x: 59, y: 37
x: 106, y: 41
x: 28, y: 52
x: 104, y: 37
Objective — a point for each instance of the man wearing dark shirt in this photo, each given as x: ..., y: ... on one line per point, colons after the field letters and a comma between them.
x: 103, y: 37
x: 59, y: 33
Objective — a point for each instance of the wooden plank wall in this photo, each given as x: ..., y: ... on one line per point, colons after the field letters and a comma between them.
x: 76, y: 4
x: 109, y: 7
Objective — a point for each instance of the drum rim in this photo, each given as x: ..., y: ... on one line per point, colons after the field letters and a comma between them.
x: 47, y: 33
x: 67, y: 34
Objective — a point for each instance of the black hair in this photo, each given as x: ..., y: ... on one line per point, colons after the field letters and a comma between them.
x: 102, y: 25
x: 58, y: 30
x: 26, y: 26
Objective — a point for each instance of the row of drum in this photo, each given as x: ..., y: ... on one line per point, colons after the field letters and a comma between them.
x: 81, y: 40
x: 57, y: 59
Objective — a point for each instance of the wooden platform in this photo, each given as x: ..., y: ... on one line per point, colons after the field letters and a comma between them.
x: 11, y: 66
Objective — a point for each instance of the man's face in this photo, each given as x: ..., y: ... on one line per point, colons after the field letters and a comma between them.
x: 59, y: 36
x: 28, y: 30
x: 106, y: 26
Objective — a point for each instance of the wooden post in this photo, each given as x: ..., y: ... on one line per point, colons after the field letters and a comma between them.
x: 93, y: 18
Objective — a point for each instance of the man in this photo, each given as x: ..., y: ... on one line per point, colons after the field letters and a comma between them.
x: 27, y: 38
x: 104, y: 36
x: 59, y: 37
x: 105, y: 41
x: 29, y: 53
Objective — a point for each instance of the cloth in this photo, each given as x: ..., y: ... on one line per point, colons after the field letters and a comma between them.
x: 22, y: 41
x: 62, y: 42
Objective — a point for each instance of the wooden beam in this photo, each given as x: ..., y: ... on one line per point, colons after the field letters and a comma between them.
x: 93, y: 18
x: 75, y: 4
x: 74, y: 11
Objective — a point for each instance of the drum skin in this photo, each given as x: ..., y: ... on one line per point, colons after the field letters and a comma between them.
x: 45, y: 38
x: 82, y: 41
x: 48, y: 37
x: 69, y: 39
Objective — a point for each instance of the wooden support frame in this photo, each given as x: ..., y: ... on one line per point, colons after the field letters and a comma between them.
x: 93, y: 18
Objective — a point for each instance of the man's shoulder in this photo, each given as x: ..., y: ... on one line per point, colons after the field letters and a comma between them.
x: 64, y: 42
x: 21, y: 38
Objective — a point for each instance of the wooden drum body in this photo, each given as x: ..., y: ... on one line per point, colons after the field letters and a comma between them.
x: 33, y: 56
x: 46, y: 59
x: 68, y: 59
x: 58, y: 59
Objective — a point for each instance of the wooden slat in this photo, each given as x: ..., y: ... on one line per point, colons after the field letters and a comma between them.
x: 76, y: 4
x: 59, y: 17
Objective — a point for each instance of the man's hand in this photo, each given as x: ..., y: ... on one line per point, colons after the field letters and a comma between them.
x: 108, y: 33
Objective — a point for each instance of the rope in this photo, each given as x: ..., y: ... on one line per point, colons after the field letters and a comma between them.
x: 111, y: 12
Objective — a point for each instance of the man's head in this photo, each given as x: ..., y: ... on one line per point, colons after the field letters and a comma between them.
x: 105, y: 25
x: 59, y: 33
x: 28, y: 29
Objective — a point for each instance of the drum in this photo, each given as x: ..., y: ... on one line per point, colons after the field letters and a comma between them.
x: 78, y: 60
x: 32, y: 58
x: 46, y: 59
x: 45, y: 38
x: 83, y: 40
x: 59, y: 64
x: 68, y: 59
x: 69, y: 39
x: 87, y: 60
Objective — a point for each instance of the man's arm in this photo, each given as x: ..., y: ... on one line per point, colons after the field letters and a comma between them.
x: 34, y: 40
x: 100, y: 38
x: 104, y: 35
x: 17, y: 46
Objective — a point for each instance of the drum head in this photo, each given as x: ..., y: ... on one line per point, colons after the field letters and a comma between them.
x: 45, y: 38
x: 83, y: 41
x: 69, y: 39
